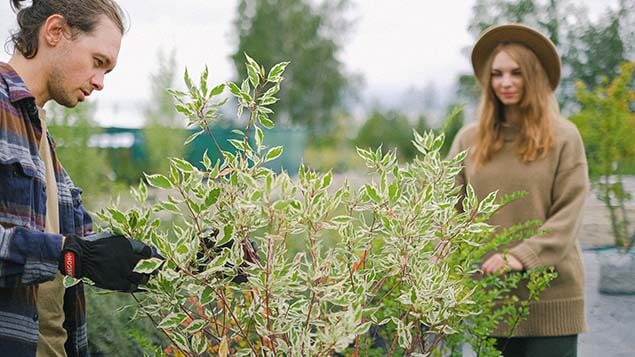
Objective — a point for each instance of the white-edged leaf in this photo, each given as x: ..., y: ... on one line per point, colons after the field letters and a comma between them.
x: 172, y: 320
x: 147, y: 266
x: 183, y: 165
x: 273, y: 153
x: 265, y: 121
x: 158, y: 181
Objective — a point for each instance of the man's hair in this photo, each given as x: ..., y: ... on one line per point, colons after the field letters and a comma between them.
x: 80, y: 15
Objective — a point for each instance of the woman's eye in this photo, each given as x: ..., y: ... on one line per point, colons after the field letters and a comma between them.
x: 98, y: 62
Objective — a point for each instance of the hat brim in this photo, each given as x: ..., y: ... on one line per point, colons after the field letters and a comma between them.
x: 544, y: 49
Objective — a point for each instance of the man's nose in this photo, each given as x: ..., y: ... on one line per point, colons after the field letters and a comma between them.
x: 97, y: 81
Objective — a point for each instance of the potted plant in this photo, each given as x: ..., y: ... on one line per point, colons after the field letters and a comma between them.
x: 607, y: 125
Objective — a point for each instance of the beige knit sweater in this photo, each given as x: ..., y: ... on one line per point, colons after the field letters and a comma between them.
x: 557, y: 187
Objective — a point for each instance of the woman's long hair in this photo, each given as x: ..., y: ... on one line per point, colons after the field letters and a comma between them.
x: 538, y: 108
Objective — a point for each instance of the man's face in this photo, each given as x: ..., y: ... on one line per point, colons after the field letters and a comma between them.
x: 81, y: 63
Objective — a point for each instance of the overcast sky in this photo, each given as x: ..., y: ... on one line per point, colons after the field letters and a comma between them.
x: 394, y: 45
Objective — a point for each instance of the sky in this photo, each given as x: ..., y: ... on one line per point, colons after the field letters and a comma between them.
x: 396, y: 47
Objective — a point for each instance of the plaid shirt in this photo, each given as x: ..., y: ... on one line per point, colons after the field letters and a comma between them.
x: 28, y: 256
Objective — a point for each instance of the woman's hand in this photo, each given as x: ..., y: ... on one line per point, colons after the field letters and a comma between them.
x: 498, y: 262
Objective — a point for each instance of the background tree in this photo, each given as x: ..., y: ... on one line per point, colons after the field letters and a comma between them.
x: 391, y: 129
x: 607, y: 124
x: 163, y: 127
x: 72, y: 130
x: 308, y: 36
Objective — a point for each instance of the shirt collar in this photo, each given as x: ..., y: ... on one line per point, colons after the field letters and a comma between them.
x: 17, y: 90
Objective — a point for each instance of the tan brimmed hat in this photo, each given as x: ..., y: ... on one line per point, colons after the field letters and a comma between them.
x: 544, y: 49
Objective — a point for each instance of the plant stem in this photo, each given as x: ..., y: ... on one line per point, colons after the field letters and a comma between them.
x: 156, y: 324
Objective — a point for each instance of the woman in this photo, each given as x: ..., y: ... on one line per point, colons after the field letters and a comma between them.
x: 520, y: 143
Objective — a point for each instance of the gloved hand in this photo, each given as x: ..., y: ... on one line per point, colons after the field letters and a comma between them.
x: 106, y: 259
x: 208, y: 242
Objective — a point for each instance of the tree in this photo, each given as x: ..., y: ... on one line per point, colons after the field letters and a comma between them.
x: 163, y: 129
x: 391, y: 130
x: 72, y: 130
x: 455, y: 118
x: 308, y: 36
x: 607, y: 124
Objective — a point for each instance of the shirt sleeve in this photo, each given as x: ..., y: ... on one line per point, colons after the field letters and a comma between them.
x: 28, y: 257
x: 569, y: 193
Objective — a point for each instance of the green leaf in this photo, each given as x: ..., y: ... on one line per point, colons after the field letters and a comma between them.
x: 267, y: 100
x: 280, y: 205
x: 238, y: 144
x: 341, y: 219
x: 70, y: 281
x: 147, y: 266
x: 189, y: 83
x: 207, y: 162
x: 193, y: 136
x: 143, y: 191
x: 252, y: 73
x: 326, y: 180
x: 172, y: 320
x: 183, y: 249
x: 199, y: 344
x: 273, y: 153
x: 212, y: 197
x: 180, y: 340
x: 260, y: 137
x: 275, y: 75
x: 181, y: 109
x: 234, y: 89
x: 272, y: 91
x: 158, y: 181
x: 265, y: 121
x: 168, y: 206
x: 203, y: 80
x: 394, y: 192
x: 245, y: 89
x: 372, y: 193
x: 195, y: 326
x: 183, y: 165
x: 207, y: 296
x: 118, y: 216
x: 228, y: 232
x: 217, y: 90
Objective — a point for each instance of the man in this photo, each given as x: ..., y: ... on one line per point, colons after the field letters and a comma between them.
x: 63, y: 50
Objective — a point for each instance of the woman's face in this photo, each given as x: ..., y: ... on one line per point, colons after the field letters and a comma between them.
x: 507, y: 81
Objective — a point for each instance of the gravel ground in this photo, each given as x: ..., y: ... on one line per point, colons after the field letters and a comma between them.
x: 610, y: 318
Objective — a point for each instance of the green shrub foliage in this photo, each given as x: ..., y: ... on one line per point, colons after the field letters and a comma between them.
x: 391, y: 267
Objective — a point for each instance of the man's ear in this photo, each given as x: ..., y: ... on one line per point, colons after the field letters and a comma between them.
x: 54, y: 30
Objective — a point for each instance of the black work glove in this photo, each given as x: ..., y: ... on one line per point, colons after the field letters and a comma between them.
x: 208, y: 243
x: 105, y: 258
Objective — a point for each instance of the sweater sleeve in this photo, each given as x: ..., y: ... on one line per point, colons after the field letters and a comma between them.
x: 569, y: 193
x: 28, y: 257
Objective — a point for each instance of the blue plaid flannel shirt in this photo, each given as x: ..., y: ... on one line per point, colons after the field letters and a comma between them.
x: 28, y: 256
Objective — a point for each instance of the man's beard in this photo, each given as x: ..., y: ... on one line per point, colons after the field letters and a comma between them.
x: 57, y: 90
